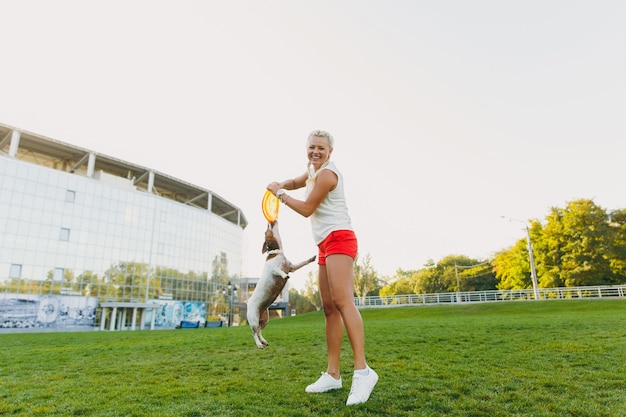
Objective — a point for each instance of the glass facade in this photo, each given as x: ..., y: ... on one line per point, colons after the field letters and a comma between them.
x: 99, y: 237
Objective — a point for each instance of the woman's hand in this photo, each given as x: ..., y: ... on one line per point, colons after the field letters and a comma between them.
x: 273, y: 187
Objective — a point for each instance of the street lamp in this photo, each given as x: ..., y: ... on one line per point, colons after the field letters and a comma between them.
x: 531, y: 258
x: 231, y: 291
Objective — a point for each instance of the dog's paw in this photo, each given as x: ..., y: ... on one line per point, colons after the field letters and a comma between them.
x: 312, y: 258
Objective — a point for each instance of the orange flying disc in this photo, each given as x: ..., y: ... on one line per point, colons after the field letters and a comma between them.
x: 270, y: 206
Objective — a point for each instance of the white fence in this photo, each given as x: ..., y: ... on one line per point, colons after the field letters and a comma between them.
x: 563, y: 293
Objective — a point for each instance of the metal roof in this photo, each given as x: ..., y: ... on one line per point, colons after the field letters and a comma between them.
x: 52, y: 153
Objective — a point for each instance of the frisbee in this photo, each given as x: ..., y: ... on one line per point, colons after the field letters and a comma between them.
x: 270, y: 206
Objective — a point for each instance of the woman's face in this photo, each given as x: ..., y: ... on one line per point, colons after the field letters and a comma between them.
x: 318, y: 150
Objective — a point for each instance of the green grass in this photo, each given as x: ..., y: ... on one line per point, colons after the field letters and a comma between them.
x: 547, y: 358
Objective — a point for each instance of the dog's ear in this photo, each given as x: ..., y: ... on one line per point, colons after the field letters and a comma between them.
x: 266, y: 247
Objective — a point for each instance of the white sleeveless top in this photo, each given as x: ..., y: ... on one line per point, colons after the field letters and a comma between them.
x: 332, y: 213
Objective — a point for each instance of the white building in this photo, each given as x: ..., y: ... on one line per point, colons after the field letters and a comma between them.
x: 86, y: 236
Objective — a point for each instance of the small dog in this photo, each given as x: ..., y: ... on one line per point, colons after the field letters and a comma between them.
x: 273, y: 279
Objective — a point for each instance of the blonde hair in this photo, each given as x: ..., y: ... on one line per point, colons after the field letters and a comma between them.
x: 323, y: 134
x: 331, y: 142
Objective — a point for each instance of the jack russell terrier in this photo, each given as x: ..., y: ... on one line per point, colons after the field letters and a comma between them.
x: 273, y: 279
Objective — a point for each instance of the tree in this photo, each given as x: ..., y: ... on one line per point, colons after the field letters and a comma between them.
x: 365, y: 277
x: 585, y: 261
x: 512, y: 267
x: 471, y: 274
x: 477, y: 277
x: 579, y: 239
x: 299, y: 302
x: 88, y: 283
x: 126, y: 280
x: 427, y: 281
x: 312, y: 291
x: 578, y: 245
x: 219, y: 279
x: 617, y: 252
x: 402, y: 282
x: 400, y: 286
x: 549, y: 248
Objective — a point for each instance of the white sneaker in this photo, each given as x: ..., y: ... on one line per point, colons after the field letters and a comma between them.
x: 362, y: 386
x: 325, y: 383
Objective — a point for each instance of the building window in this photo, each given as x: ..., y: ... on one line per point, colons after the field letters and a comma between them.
x: 65, y: 234
x: 58, y: 274
x: 69, y: 196
x: 15, y: 271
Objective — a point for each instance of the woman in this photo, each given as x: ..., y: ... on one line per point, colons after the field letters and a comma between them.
x: 332, y: 231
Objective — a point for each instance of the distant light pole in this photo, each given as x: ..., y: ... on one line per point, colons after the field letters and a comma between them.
x: 231, y: 291
x: 531, y: 257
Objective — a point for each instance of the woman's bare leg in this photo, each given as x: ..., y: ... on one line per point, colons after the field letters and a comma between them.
x: 340, y: 280
x: 334, y: 324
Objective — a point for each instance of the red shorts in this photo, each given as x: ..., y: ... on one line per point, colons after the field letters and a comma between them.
x: 337, y: 242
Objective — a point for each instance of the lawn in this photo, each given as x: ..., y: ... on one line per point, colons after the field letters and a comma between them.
x: 545, y: 358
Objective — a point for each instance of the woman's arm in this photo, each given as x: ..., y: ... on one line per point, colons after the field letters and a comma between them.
x: 292, y: 184
x: 325, y: 182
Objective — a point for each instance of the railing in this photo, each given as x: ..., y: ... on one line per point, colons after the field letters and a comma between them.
x: 562, y: 293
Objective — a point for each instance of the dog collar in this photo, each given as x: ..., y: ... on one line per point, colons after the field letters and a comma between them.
x: 274, y: 252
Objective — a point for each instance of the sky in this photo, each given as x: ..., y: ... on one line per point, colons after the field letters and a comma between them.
x: 447, y: 115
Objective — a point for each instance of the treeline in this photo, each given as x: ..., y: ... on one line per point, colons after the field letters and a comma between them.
x: 581, y: 244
